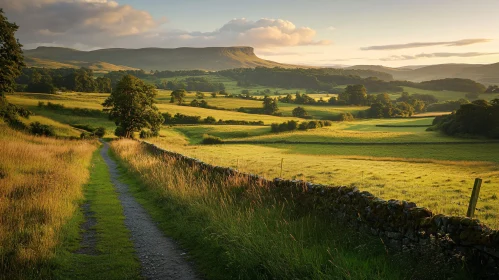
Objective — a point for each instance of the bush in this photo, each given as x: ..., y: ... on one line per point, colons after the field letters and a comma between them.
x: 346, y: 117
x: 211, y: 140
x: 85, y: 135
x: 39, y: 129
x: 210, y: 120
x: 100, y: 132
x: 119, y: 131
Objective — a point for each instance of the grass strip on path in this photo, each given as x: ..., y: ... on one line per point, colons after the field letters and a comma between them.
x: 114, y: 256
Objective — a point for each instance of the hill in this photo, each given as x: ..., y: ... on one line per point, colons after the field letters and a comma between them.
x: 211, y: 59
x: 486, y: 74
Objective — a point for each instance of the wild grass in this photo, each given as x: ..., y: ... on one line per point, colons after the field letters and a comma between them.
x: 40, y: 181
x: 60, y: 129
x: 438, y: 177
x: 240, y: 230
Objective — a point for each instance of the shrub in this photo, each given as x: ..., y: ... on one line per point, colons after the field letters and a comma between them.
x: 85, y: 135
x: 100, y: 132
x: 39, y: 129
x: 346, y: 117
x: 211, y: 140
x: 210, y: 119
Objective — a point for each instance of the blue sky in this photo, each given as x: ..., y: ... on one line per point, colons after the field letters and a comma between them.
x: 316, y: 32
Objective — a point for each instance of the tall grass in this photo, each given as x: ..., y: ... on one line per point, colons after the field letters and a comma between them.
x: 241, y: 230
x: 40, y: 179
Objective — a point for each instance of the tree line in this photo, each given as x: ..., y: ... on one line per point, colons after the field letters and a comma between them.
x: 478, y: 118
x: 43, y: 80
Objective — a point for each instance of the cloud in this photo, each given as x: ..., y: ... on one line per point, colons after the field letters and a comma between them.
x: 437, y: 55
x: 264, y: 33
x: 105, y: 23
x: 459, y: 43
x: 331, y: 28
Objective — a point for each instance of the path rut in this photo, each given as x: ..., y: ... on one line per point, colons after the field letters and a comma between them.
x: 160, y: 257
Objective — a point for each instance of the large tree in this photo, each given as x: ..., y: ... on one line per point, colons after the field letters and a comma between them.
x: 178, y: 96
x: 11, y: 56
x: 132, y: 107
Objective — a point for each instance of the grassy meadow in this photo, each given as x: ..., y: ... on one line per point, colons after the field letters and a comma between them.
x: 436, y: 176
x: 37, y: 197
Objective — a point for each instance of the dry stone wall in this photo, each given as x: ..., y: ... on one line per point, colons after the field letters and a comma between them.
x: 402, y: 225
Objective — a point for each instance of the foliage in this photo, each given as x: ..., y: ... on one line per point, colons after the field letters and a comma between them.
x: 178, y: 96
x: 447, y: 106
x: 293, y: 125
x: 211, y: 140
x: 43, y: 80
x: 11, y: 56
x: 354, y: 95
x: 492, y: 89
x: 39, y: 129
x: 270, y: 105
x: 346, y: 117
x: 476, y: 118
x: 148, y: 134
x: 132, y: 106
x: 299, y: 112
x: 192, y: 84
x: 185, y: 119
x: 323, y: 79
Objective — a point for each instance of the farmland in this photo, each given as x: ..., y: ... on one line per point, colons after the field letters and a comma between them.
x: 436, y: 176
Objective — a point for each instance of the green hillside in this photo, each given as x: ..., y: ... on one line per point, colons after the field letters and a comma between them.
x: 210, y: 59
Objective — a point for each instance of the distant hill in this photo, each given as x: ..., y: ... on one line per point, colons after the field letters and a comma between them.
x: 212, y: 59
x: 486, y: 74
x: 96, y: 66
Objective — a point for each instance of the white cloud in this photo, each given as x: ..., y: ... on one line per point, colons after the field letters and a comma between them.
x: 105, y: 23
x: 436, y: 55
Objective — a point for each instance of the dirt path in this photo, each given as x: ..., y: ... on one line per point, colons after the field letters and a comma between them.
x: 160, y: 257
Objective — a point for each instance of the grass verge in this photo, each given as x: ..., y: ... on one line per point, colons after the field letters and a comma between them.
x: 235, y: 230
x: 114, y: 256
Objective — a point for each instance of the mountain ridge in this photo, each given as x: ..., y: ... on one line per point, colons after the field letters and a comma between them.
x: 185, y: 58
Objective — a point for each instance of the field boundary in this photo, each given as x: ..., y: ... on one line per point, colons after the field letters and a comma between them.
x: 360, y: 143
x: 401, y: 225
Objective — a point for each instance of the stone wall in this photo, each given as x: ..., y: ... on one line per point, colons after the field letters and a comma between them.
x: 400, y: 224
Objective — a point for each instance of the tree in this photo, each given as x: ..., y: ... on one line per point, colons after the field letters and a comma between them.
x: 132, y: 107
x: 11, y: 56
x: 357, y: 94
x: 269, y: 105
x: 199, y: 95
x: 178, y: 96
x: 299, y: 112
x: 383, y: 98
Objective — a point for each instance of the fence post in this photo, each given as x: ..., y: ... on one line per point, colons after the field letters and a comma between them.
x: 474, y: 198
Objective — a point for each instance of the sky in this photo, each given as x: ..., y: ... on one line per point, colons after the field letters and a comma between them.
x: 393, y: 33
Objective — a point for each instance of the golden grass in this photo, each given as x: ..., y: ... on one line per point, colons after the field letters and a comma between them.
x: 440, y: 184
x: 40, y: 179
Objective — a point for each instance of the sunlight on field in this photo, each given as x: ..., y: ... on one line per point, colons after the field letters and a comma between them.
x: 59, y: 128
x: 438, y: 183
x: 40, y: 180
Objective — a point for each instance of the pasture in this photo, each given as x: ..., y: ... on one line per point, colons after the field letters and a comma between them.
x: 436, y: 176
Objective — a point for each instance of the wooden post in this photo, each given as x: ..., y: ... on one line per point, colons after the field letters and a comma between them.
x: 474, y: 198
x: 282, y: 160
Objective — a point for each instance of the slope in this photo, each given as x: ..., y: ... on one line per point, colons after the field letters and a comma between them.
x: 211, y: 59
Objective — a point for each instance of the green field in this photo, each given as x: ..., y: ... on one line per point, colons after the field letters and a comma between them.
x: 436, y: 176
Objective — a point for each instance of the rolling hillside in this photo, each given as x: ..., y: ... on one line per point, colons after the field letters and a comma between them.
x: 211, y: 59
x: 486, y: 74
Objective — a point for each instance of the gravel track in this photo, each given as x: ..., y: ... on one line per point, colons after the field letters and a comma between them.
x: 160, y: 257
